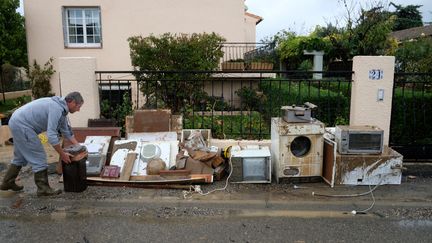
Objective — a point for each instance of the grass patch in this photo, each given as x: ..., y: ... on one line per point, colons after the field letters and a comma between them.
x: 9, y: 105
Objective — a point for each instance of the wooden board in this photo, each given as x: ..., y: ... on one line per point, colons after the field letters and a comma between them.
x: 152, y: 121
x: 128, y: 166
x: 156, y: 179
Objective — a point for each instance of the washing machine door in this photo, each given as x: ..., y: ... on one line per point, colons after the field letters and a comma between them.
x: 300, y: 146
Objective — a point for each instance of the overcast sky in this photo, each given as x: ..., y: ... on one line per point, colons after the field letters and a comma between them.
x: 302, y: 16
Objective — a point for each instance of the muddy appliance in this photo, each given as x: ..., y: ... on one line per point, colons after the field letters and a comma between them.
x: 359, y: 139
x: 361, y: 168
x: 298, y: 114
x: 97, y: 147
x: 297, y: 144
x: 251, y: 164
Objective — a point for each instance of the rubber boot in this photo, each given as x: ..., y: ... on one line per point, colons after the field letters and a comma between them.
x: 9, y: 179
x: 43, y: 187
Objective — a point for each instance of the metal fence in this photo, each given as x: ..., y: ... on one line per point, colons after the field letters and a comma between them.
x: 13, y: 79
x: 232, y: 104
x: 411, y: 121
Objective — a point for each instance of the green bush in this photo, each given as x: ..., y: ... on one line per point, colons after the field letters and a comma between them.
x: 411, y: 121
x: 243, y: 126
x: 10, y: 105
x: 168, y: 52
x: 40, y: 78
x: 332, y: 106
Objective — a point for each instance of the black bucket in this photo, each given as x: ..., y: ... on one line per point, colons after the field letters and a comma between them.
x: 75, y: 176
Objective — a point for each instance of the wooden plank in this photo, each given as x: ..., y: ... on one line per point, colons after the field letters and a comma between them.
x: 139, y: 185
x: 168, y: 173
x: 208, y: 177
x: 219, y: 172
x: 156, y: 179
x: 128, y: 166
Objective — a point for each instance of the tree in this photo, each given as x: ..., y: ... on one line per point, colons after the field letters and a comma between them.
x: 415, y: 56
x: 365, y: 34
x: 407, y: 17
x: 371, y: 34
x: 170, y: 52
x: 292, y: 49
x: 13, y: 47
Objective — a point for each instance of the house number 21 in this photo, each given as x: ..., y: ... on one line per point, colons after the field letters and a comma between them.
x: 376, y: 74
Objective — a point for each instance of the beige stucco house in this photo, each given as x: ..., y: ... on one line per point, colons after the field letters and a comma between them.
x: 100, y: 28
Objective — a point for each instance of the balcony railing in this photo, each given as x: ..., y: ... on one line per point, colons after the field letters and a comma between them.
x: 248, y: 56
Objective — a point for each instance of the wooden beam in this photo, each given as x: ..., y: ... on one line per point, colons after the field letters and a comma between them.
x: 128, y: 166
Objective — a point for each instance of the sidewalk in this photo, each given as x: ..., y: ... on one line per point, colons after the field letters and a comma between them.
x: 416, y: 187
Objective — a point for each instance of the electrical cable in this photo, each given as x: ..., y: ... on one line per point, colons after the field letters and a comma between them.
x: 356, y: 195
x: 369, y: 208
x: 197, y: 188
x: 346, y: 195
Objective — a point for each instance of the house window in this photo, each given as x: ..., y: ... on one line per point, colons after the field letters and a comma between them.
x: 82, y: 27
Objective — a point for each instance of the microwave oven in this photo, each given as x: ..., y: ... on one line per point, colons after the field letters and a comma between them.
x: 359, y: 139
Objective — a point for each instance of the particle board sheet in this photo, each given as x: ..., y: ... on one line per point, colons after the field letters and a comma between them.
x: 329, y: 161
x: 152, y: 121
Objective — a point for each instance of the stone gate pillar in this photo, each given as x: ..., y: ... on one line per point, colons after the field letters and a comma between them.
x: 372, y: 92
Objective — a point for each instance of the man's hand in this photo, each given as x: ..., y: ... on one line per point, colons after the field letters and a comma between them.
x: 66, y: 157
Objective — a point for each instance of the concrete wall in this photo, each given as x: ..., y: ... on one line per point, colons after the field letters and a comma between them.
x: 371, y: 75
x: 122, y: 19
x: 15, y: 94
x: 77, y: 74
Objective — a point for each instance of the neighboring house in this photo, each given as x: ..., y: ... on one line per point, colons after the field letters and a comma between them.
x: 100, y: 28
x: 412, y: 33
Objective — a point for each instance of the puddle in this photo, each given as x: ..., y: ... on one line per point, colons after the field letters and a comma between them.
x: 415, y: 223
x: 297, y: 214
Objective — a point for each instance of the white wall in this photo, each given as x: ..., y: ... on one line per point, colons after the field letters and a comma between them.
x: 122, y: 19
x: 78, y: 74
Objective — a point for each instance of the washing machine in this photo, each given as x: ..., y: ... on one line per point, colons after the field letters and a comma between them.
x: 297, y: 148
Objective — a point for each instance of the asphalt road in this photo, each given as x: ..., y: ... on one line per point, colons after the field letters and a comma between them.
x: 283, y: 212
x: 155, y: 220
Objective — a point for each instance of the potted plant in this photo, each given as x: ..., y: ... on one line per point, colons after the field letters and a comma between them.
x: 261, y: 62
x: 258, y: 65
x: 236, y: 64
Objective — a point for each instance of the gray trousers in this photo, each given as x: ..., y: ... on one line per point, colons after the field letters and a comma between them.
x: 28, y: 148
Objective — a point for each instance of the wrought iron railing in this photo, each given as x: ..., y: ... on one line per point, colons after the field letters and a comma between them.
x: 411, y: 121
x: 232, y: 104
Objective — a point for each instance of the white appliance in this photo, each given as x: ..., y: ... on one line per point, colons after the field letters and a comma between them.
x: 251, y: 165
x: 297, y: 148
x: 97, y: 148
x: 359, y: 139
x: 360, y: 169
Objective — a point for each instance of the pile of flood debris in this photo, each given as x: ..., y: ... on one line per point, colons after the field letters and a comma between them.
x: 145, y: 156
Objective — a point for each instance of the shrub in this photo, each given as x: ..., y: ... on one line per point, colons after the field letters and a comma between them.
x: 40, y: 78
x: 170, y: 52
